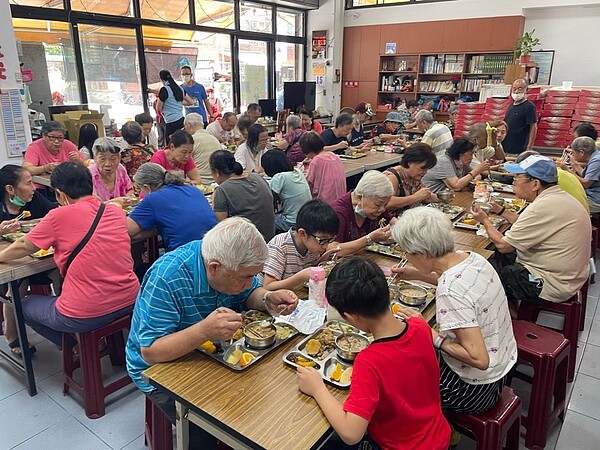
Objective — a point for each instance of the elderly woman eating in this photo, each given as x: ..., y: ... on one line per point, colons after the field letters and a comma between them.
x: 406, y: 178
x: 476, y: 340
x: 177, y: 157
x: 453, y: 168
x: 362, y: 214
x: 97, y: 289
x: 109, y: 177
x: 291, y: 141
x: 179, y: 211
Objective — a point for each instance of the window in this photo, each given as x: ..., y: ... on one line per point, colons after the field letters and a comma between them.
x: 361, y: 3
x: 57, y: 4
x: 288, y: 67
x: 253, y: 72
x: 112, y: 7
x: 290, y: 23
x: 112, y: 74
x: 256, y: 18
x: 211, y: 13
x: 166, y: 10
x: 208, y: 54
x: 47, y: 48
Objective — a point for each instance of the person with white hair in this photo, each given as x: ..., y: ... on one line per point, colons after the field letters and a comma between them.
x: 205, y: 144
x: 475, y: 338
x: 109, y: 176
x: 195, y: 294
x: 363, y: 215
x: 290, y: 143
x: 437, y: 135
x: 584, y: 163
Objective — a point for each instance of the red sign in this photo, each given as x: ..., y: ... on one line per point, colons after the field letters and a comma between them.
x: 351, y: 84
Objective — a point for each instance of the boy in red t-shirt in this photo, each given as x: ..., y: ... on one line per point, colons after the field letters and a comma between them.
x: 395, y: 383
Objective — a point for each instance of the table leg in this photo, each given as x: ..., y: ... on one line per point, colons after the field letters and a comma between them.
x: 182, y: 426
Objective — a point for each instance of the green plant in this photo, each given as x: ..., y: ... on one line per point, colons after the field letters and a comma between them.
x: 525, y: 44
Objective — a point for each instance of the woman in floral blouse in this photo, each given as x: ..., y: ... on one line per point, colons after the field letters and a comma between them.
x: 406, y: 178
x: 137, y: 153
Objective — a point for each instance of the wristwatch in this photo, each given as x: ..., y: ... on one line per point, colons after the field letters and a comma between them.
x: 439, y: 340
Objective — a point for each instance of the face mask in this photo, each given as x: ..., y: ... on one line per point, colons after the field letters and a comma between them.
x: 517, y: 97
x: 17, y: 201
x: 358, y: 209
x: 186, y: 78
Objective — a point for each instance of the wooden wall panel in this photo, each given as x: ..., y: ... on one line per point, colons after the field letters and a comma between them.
x: 369, y: 56
x: 408, y: 40
x: 351, y: 62
x: 455, y: 35
x: 367, y: 92
x: 349, y: 97
x: 504, y: 30
x: 479, y: 35
x: 390, y: 33
x: 431, y: 36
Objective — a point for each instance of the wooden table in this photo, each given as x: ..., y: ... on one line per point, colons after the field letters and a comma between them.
x: 11, y: 272
x: 260, y: 408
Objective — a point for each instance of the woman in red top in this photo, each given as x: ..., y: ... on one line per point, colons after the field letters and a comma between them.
x: 177, y: 157
x: 308, y: 123
x: 91, y: 298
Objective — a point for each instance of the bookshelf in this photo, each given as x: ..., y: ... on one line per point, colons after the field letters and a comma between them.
x: 427, y: 76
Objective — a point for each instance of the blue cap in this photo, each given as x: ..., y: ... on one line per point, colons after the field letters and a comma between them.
x: 393, y: 116
x: 536, y: 166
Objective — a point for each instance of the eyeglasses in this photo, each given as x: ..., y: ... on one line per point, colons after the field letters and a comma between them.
x: 56, y: 138
x: 322, y: 241
x: 515, y: 179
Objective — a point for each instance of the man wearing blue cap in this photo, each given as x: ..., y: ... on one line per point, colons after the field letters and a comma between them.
x: 551, y: 237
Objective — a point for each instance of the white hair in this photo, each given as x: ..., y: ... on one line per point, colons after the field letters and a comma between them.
x: 374, y: 184
x: 194, y: 120
x: 424, y: 231
x: 425, y: 116
x: 235, y: 242
x: 585, y: 144
x: 294, y: 121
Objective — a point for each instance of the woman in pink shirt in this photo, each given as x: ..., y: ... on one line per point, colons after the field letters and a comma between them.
x: 109, y: 177
x: 177, y: 157
x: 326, y: 175
x: 90, y: 299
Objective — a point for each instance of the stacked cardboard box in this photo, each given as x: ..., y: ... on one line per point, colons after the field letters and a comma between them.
x: 554, y: 129
x: 495, y: 109
x: 587, y: 108
x: 468, y: 114
x: 73, y: 120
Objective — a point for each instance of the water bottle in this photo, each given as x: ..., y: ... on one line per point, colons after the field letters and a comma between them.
x: 316, y: 286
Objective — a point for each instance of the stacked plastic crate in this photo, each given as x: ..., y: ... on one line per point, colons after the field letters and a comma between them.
x: 554, y: 129
x: 587, y: 108
x: 495, y: 109
x: 468, y: 114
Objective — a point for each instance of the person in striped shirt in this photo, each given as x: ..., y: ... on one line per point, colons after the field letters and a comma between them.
x: 293, y: 253
x: 437, y: 135
x: 194, y: 294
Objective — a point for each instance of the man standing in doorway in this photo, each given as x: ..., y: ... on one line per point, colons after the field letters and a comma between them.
x: 521, y: 120
x: 198, y: 94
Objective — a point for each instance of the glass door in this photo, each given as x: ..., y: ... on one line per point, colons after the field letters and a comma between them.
x: 254, y: 71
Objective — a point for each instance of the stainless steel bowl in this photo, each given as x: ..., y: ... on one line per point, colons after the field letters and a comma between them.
x: 499, y: 201
x: 254, y: 315
x: 27, y: 227
x: 264, y: 328
x: 483, y: 206
x: 446, y: 196
x: 347, y: 355
x: 412, y: 295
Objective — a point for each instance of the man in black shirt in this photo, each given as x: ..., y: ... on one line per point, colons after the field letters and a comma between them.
x: 521, y: 119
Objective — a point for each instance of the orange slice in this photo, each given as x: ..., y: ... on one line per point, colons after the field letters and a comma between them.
x: 305, y: 362
x: 346, y: 376
x: 312, y: 347
x: 209, y: 347
x: 395, y: 308
x: 337, y: 373
x: 246, y: 358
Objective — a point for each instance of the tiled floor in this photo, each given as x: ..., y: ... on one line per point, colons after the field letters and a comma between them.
x: 51, y: 421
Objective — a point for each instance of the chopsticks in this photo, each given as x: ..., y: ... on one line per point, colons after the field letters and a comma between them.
x: 254, y: 332
x: 19, y: 217
x: 400, y: 265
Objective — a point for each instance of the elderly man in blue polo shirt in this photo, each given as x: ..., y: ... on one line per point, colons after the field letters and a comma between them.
x: 194, y: 294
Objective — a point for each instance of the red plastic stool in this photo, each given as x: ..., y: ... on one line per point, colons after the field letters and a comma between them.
x: 490, y: 428
x: 571, y: 310
x: 93, y: 390
x: 159, y: 430
x: 548, y: 353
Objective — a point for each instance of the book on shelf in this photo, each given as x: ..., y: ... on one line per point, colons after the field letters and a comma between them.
x: 475, y: 84
x: 442, y: 64
x: 482, y: 64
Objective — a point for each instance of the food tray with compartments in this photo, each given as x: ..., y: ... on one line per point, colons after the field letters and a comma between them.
x: 397, y: 300
x: 497, y: 222
x: 353, y: 155
x: 12, y: 237
x: 40, y: 254
x: 515, y: 205
x: 451, y: 211
x: 326, y: 361
x: 392, y: 250
x: 499, y: 187
x: 224, y: 349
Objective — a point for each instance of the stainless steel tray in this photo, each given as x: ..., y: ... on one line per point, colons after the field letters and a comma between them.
x: 355, y: 155
x: 451, y: 211
x: 326, y: 364
x: 496, y: 222
x: 430, y: 295
x: 513, y: 204
x: 12, y: 237
x: 225, y: 348
x: 387, y: 250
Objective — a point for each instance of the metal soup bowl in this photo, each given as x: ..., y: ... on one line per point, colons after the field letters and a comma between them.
x: 349, y: 355
x: 499, y: 201
x: 446, y: 196
x: 412, y: 295
x: 264, y: 328
x: 483, y: 206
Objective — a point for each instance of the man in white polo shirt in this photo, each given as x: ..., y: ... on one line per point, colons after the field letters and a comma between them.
x: 437, y: 135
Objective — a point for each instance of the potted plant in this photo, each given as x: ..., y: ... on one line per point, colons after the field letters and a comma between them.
x: 524, y: 46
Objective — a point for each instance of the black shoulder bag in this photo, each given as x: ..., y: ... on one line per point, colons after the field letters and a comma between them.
x: 85, y: 239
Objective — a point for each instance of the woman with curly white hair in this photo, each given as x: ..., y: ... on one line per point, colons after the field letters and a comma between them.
x: 475, y: 338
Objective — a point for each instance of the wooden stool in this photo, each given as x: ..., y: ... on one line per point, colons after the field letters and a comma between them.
x: 491, y: 427
x: 571, y: 310
x: 548, y: 353
x: 158, y: 427
x: 93, y: 390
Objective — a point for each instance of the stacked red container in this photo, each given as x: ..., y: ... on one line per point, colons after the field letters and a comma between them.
x: 554, y: 129
x: 468, y: 114
x: 495, y: 109
x: 587, y: 108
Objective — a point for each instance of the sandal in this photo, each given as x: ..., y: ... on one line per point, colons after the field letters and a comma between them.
x: 15, y: 348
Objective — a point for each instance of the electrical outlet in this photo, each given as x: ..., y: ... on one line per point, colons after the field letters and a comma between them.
x: 324, y: 92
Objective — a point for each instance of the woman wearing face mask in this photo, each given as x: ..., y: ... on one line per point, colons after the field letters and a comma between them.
x: 362, y: 214
x: 109, y: 177
x: 170, y: 102
x: 249, y: 153
x: 90, y: 299
x: 20, y: 195
x: 453, y: 170
x: 178, y: 156
x: 406, y: 178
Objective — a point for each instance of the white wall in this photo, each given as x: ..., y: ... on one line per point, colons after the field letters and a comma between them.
x: 571, y: 27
